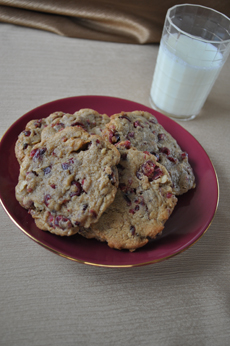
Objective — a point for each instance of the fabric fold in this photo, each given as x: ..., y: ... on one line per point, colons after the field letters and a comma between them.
x: 124, y: 21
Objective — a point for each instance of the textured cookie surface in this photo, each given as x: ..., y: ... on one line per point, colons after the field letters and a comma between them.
x: 146, y: 134
x: 68, y: 180
x: 143, y: 203
x: 29, y: 137
x: 90, y: 120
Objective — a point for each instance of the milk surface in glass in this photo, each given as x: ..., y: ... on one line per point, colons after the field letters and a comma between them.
x: 185, y: 72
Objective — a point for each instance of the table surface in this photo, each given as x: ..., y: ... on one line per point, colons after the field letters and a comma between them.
x: 46, y: 299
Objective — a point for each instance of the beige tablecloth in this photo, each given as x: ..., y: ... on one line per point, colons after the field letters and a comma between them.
x: 49, y: 300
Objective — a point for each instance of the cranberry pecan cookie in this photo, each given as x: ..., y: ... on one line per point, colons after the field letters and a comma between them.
x: 68, y: 180
x: 146, y: 134
x: 143, y: 203
x: 90, y: 120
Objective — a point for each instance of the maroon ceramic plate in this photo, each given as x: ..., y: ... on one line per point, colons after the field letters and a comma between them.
x: 189, y: 220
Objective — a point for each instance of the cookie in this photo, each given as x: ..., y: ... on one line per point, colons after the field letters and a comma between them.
x: 68, y: 180
x: 143, y: 203
x: 146, y: 134
x: 88, y: 119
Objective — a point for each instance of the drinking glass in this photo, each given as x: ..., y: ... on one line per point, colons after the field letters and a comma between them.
x: 194, y: 46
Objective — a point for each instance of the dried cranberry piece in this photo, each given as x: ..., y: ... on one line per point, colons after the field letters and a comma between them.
x: 78, y: 124
x: 172, y: 159
x: 71, y: 160
x: 136, y: 208
x: 27, y: 133
x: 46, y: 199
x: 93, y: 213
x: 165, y: 151
x: 130, y: 135
x: 137, y: 123
x: 25, y: 145
x: 62, y: 222
x: 50, y: 220
x: 53, y: 186
x: 42, y: 151
x: 114, y: 137
x: 65, y: 165
x: 148, y: 168
x: 110, y: 136
x: 169, y: 195
x: 132, y: 230
x: 47, y: 170
x: 77, y: 187
x: 156, y: 174
x: 124, y: 116
x: 161, y: 136
x: 37, y: 153
x: 153, y: 121
x: 126, y: 144
x: 140, y: 200
x: 38, y: 123
x: 132, y: 211
x: 85, y: 206
x: 184, y: 156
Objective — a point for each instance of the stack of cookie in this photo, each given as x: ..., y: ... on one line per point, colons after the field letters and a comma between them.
x: 114, y: 179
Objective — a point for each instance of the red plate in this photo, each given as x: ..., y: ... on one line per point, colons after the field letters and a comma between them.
x: 189, y: 220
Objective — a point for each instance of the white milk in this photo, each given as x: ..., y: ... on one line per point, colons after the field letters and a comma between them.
x: 185, y: 72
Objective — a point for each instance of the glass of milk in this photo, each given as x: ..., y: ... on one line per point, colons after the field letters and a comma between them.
x: 194, y: 46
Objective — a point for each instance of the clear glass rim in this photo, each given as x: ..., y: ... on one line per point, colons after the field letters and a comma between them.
x: 193, y: 36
